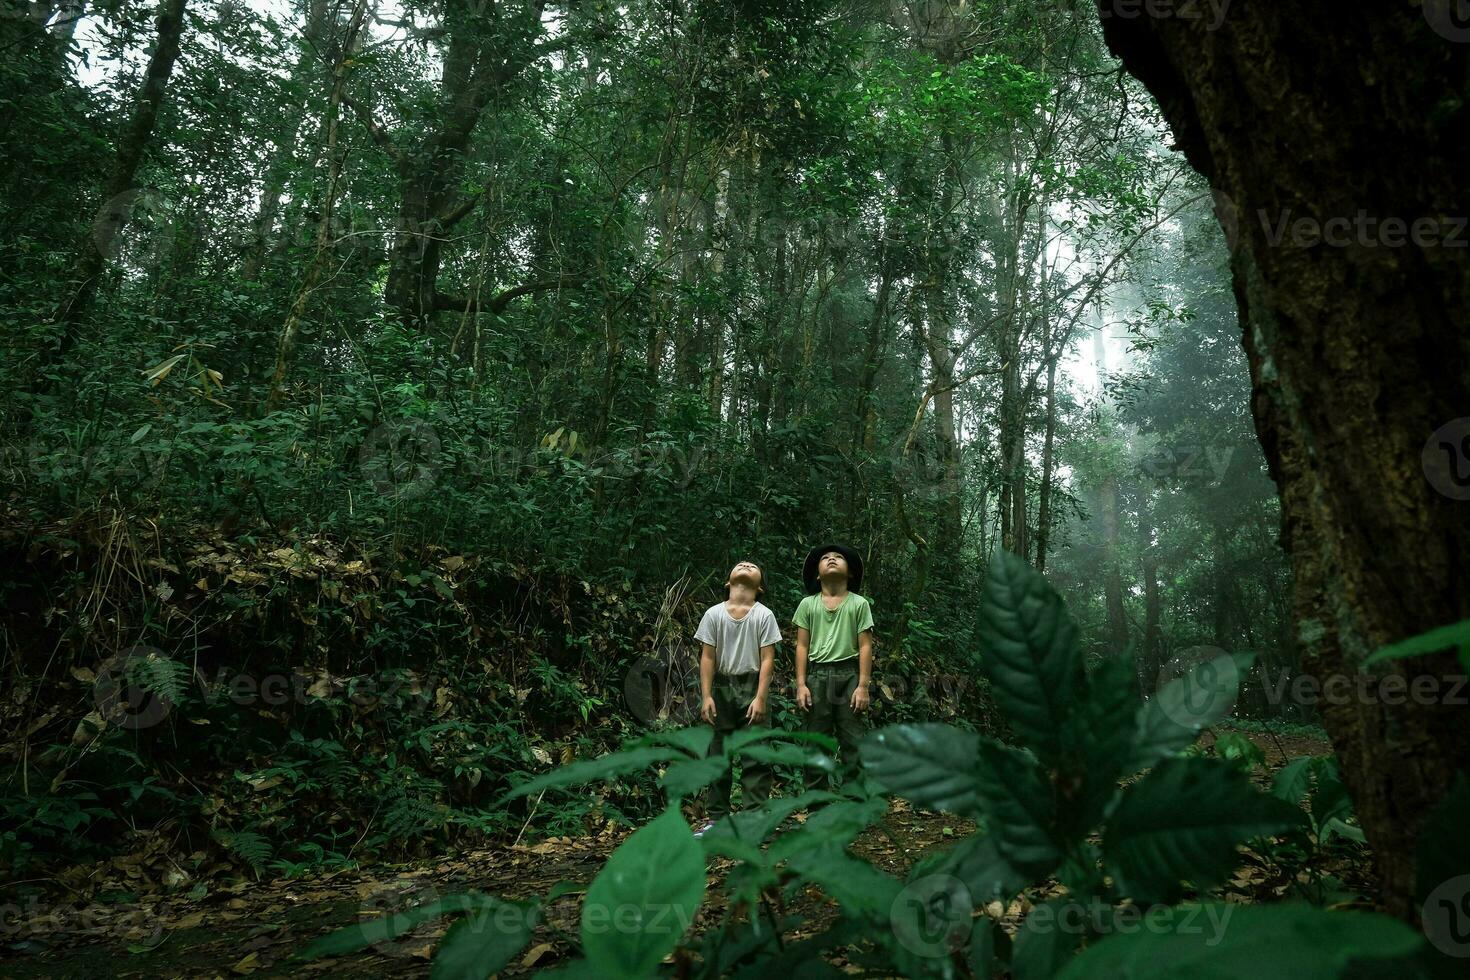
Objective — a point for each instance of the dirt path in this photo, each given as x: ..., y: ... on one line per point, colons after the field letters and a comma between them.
x: 245, y: 928
x: 249, y: 929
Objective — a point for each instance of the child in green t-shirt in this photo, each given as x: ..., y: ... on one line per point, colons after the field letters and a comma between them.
x: 834, y: 651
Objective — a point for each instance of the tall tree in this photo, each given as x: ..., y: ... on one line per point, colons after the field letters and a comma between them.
x: 120, y: 193
x: 1379, y: 544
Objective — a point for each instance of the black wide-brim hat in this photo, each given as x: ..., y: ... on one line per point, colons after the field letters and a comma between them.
x: 854, y: 568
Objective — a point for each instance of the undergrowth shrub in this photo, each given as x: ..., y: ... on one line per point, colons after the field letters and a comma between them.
x: 1100, y: 807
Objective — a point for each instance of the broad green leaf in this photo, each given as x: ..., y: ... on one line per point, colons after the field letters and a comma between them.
x: 573, y: 970
x: 1043, y: 946
x: 364, y: 934
x: 1455, y: 636
x: 160, y: 370
x: 1330, y: 801
x: 1171, y: 720
x: 803, y: 960
x: 1019, y: 808
x: 1335, y: 826
x: 721, y: 949
x: 593, y: 770
x: 860, y: 888
x: 690, y: 776
x: 693, y: 741
x: 1227, y: 942
x: 836, y: 823
x: 989, y: 876
x: 981, y: 953
x: 1293, y: 780
x: 645, y: 898
x: 931, y: 921
x: 789, y: 755
x: 931, y: 765
x: 752, y: 827
x: 482, y: 944
x: 1104, y: 730
x: 1029, y: 652
x: 565, y: 887
x: 1235, y: 747
x: 735, y: 743
x: 1183, y: 822
x: 1443, y: 847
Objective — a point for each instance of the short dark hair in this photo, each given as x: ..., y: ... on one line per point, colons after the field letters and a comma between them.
x: 760, y: 588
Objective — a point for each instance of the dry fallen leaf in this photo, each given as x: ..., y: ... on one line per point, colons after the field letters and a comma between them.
x: 249, y: 964
x: 533, y: 956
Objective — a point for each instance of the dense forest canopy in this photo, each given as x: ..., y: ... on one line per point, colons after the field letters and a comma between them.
x: 683, y: 283
x: 435, y: 360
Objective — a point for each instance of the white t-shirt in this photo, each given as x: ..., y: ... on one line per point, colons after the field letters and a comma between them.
x: 738, y: 642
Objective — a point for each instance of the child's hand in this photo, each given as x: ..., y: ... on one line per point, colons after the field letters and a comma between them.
x: 707, y: 711
x: 860, y: 698
x: 756, y: 713
x: 803, y: 697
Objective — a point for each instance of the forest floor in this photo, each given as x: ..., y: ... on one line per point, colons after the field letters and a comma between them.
x: 248, y: 928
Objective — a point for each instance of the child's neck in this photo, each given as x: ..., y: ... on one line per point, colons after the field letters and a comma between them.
x: 741, y: 596
x: 836, y: 588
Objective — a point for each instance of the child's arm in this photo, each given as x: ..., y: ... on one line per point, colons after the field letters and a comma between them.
x: 707, y: 682
x: 803, y: 641
x: 757, y: 711
x: 865, y: 670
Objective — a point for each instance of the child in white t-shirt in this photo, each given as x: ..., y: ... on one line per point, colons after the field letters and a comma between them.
x: 738, y: 640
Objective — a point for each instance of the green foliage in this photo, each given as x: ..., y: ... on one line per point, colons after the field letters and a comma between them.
x: 645, y: 898
x: 1170, y: 833
x: 1456, y: 636
x: 1288, y: 942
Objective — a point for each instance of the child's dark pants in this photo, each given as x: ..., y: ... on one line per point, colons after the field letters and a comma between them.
x: 733, y: 694
x: 832, y: 686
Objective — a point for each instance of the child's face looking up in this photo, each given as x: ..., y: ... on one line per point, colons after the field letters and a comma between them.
x: 832, y: 565
x: 746, y: 574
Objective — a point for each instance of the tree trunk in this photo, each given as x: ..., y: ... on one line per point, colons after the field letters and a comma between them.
x: 1107, y: 501
x: 1048, y: 463
x: 478, y: 66
x: 291, y: 329
x: 119, y: 194
x: 1150, y: 655
x: 1221, y: 572
x: 283, y: 155
x: 719, y: 247
x: 1357, y: 348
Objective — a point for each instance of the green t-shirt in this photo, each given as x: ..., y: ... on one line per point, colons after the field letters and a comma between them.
x: 834, y: 633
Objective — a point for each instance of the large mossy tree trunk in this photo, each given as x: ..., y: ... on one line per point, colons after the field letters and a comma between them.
x: 1358, y: 351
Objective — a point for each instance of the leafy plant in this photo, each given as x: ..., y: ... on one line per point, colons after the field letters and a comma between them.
x: 1091, y: 758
